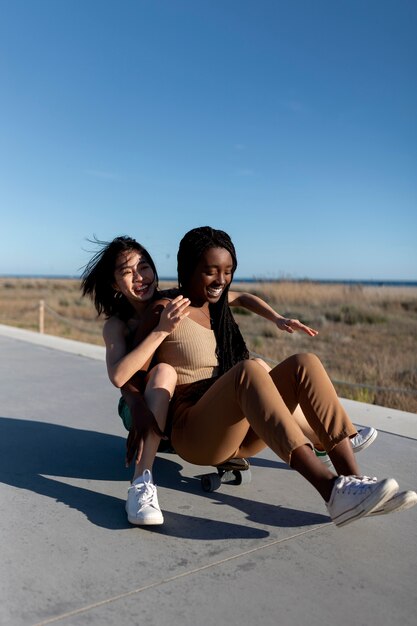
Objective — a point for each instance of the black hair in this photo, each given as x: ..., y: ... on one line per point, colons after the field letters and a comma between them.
x: 97, y: 279
x: 231, y: 347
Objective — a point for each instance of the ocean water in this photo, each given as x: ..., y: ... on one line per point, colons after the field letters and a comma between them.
x: 238, y: 279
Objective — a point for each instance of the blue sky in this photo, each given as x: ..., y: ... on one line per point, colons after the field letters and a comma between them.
x: 289, y: 124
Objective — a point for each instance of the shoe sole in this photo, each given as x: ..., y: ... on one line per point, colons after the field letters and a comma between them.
x: 365, y: 444
x: 400, y: 502
x: 152, y: 520
x: 386, y: 489
x: 146, y: 522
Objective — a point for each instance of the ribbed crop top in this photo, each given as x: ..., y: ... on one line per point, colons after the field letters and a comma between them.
x: 191, y: 350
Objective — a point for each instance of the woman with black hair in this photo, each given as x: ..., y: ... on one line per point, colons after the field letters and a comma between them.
x: 227, y: 405
x: 122, y: 281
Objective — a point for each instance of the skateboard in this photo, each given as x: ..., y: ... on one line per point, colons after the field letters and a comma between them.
x: 232, y: 472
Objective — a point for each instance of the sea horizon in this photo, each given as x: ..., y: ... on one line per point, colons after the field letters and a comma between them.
x: 370, y: 282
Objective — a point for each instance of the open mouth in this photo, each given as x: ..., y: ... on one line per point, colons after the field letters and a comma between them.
x: 140, y: 291
x: 214, y: 292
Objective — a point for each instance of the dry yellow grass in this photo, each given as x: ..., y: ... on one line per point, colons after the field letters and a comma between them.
x: 367, y: 335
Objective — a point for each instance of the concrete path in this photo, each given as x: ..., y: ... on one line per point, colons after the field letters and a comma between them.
x: 260, y: 553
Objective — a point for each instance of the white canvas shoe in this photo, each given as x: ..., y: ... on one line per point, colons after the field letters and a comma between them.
x: 142, y: 505
x: 400, y: 501
x: 359, y: 442
x: 363, y: 439
x: 354, y: 497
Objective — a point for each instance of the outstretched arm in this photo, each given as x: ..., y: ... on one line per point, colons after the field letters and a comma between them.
x: 258, y: 306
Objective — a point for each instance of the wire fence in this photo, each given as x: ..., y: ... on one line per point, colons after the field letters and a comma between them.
x: 62, y: 318
x: 376, y: 388
x: 39, y: 319
x: 43, y: 308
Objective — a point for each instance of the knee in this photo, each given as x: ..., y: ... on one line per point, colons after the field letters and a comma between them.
x: 250, y: 368
x: 307, y: 361
x: 307, y: 358
x: 163, y: 375
x: 263, y: 363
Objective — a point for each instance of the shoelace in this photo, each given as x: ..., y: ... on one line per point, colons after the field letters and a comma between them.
x: 368, y: 479
x: 353, y: 484
x: 145, y: 492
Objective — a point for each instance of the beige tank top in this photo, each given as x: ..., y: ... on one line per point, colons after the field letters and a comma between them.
x: 191, y: 350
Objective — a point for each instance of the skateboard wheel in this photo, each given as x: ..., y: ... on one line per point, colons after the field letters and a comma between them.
x: 210, y: 482
x: 244, y: 477
x: 227, y: 477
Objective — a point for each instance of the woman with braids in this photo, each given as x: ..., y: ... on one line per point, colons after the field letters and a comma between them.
x: 227, y: 405
x: 122, y: 280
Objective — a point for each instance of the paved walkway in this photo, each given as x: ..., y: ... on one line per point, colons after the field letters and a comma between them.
x: 259, y: 553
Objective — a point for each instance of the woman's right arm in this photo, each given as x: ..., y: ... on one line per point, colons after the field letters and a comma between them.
x: 122, y: 364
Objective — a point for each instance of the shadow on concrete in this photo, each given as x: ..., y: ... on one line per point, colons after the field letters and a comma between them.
x: 35, y: 456
x: 258, y: 512
x: 259, y: 462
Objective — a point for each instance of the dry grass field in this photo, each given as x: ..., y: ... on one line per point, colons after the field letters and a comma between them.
x: 367, y: 335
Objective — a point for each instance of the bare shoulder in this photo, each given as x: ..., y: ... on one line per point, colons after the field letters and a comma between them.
x: 114, y: 327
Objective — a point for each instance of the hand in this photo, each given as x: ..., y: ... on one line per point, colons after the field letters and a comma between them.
x: 173, y: 314
x: 291, y: 325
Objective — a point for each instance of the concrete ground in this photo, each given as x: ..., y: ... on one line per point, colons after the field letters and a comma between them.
x: 262, y: 553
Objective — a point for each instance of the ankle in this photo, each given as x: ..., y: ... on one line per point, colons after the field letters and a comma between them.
x: 139, y: 475
x: 328, y: 488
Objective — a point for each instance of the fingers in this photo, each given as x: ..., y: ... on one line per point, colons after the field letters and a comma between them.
x: 291, y: 325
x: 176, y: 310
x: 157, y: 430
x: 310, y: 331
x: 179, y: 299
x: 177, y: 305
x: 139, y: 452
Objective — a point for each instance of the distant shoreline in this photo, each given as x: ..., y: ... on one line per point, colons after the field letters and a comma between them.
x: 324, y: 281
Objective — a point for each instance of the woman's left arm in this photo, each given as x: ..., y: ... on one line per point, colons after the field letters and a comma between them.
x: 258, y: 306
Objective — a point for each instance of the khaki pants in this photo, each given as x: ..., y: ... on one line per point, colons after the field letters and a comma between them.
x: 248, y: 408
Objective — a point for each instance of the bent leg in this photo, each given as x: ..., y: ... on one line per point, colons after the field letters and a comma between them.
x: 213, y: 429
x: 301, y: 379
x: 160, y: 385
x: 239, y: 415
x: 298, y: 414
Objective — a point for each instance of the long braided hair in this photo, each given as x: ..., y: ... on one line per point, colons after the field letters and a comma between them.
x: 97, y: 278
x: 231, y: 347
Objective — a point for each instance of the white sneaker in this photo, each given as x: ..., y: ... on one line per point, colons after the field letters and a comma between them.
x: 354, y: 497
x: 142, y: 505
x: 359, y: 442
x: 363, y: 439
x: 400, y: 501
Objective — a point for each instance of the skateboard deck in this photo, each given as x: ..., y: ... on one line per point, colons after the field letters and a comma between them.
x: 232, y: 472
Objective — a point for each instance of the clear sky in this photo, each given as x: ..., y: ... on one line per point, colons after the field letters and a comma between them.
x: 291, y: 124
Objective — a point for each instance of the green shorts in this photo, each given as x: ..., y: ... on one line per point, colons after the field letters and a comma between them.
x: 124, y: 413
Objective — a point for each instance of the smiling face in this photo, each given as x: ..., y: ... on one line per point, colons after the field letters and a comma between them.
x: 213, y: 273
x: 134, y: 277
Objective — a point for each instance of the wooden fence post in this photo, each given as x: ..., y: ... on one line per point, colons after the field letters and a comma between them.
x: 42, y: 316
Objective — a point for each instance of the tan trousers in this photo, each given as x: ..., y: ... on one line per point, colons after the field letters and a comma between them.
x: 248, y: 408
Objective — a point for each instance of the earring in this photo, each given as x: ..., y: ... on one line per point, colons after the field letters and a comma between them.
x: 117, y: 295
